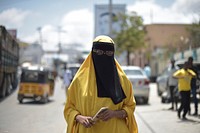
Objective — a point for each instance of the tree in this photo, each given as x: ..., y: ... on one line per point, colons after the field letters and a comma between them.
x: 132, y: 34
x: 195, y: 34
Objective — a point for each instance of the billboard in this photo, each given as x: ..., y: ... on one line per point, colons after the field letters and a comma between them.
x: 102, y: 18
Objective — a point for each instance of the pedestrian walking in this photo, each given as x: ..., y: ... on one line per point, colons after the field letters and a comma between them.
x: 100, y: 82
x: 172, y: 84
x: 67, y: 77
x: 194, y: 85
x: 184, y: 77
x: 147, y: 70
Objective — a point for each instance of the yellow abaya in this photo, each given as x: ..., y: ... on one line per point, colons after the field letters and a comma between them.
x: 82, y: 99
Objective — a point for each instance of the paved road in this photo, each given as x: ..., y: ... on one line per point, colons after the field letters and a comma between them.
x: 32, y: 117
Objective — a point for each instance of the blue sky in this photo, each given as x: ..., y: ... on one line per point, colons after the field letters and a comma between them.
x: 76, y: 18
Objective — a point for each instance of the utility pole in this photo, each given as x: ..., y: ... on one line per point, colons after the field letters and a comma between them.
x: 40, y: 35
x: 110, y: 18
x: 59, y: 42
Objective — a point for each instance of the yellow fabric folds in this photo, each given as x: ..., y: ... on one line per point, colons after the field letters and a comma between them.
x: 82, y: 99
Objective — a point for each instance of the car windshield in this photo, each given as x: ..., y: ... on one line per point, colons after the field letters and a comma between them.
x: 133, y: 72
x: 33, y: 76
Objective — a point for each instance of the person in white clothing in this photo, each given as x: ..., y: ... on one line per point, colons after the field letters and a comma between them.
x: 147, y: 70
x: 172, y: 82
x: 67, y: 78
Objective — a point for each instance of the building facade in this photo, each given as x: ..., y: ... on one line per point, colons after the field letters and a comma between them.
x: 162, y: 42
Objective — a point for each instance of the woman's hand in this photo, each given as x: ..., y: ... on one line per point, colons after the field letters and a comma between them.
x: 108, y: 114
x: 86, y: 121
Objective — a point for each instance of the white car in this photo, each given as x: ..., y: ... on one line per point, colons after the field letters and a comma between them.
x: 139, y: 81
x: 161, y: 82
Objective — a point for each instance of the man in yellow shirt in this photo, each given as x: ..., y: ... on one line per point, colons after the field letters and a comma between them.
x: 100, y: 82
x: 184, y: 77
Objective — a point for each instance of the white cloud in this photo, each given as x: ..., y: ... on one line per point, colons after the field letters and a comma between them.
x: 13, y: 17
x: 76, y: 28
x: 49, y: 37
x: 31, y: 38
x: 187, y: 6
x: 79, y: 26
x: 144, y: 9
x: 152, y: 12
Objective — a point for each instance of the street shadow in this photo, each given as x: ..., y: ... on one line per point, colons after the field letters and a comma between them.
x: 141, y: 102
x: 168, y: 109
x: 188, y: 120
x: 8, y: 95
x: 32, y: 102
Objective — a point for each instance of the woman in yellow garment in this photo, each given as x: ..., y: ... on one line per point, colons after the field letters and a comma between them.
x: 100, y: 82
x: 184, y: 77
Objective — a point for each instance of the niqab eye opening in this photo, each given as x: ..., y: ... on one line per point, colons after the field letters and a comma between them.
x: 107, y: 78
x: 101, y: 52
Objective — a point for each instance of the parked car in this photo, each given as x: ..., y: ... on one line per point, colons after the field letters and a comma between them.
x: 139, y: 81
x: 161, y: 82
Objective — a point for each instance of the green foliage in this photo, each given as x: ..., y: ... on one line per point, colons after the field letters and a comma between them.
x: 132, y: 34
x: 195, y: 34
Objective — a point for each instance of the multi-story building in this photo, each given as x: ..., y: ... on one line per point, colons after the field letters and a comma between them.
x: 163, y: 40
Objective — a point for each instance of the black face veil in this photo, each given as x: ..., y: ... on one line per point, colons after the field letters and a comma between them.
x: 107, y: 78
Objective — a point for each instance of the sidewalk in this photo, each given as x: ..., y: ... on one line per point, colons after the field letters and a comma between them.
x: 157, y: 118
x: 161, y: 120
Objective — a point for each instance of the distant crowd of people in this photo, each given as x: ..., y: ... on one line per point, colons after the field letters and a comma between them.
x: 182, y: 82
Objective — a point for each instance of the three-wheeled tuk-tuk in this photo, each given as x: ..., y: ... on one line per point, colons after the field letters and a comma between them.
x: 36, y: 83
